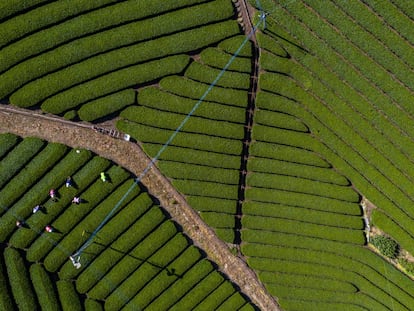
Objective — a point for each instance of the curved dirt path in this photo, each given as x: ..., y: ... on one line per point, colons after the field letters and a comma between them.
x: 130, y: 156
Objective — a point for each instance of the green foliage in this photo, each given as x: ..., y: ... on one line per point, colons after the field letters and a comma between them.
x: 197, y: 141
x: 117, y: 44
x: 101, y: 107
x: 44, y: 288
x: 90, y: 25
x: 8, y: 9
x: 93, y: 305
x: 194, y: 90
x: 212, y: 301
x: 387, y: 246
x: 113, y: 82
x: 232, y: 44
x: 44, y: 16
x: 156, y: 98
x: 69, y: 299
x: 18, y: 157
x: 104, y: 63
x: 33, y: 171
x: 19, y: 280
x: 170, y: 121
x: 7, y: 142
x: 5, y: 295
x: 208, y: 75
x: 408, y: 266
x: 217, y: 58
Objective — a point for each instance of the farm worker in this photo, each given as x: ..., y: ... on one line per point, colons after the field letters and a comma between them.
x: 19, y: 223
x: 68, y: 182
x: 36, y: 208
x: 103, y: 177
x: 76, y: 200
x: 48, y: 228
x: 52, y: 193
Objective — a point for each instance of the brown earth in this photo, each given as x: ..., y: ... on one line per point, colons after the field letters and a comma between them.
x: 130, y: 156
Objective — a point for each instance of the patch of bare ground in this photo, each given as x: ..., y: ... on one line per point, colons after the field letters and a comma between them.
x: 130, y: 156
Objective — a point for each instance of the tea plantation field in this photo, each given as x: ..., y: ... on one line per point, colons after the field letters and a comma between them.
x: 140, y: 259
x: 282, y: 175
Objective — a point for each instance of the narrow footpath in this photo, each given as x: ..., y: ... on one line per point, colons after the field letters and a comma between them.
x: 130, y: 156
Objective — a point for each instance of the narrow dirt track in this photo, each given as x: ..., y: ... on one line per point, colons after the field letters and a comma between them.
x: 130, y: 156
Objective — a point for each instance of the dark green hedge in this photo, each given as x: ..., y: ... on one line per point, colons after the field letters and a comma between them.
x: 44, y: 288
x: 171, y: 121
x: 69, y: 298
x: 45, y: 16
x: 117, y: 38
x: 7, y: 142
x: 19, y: 280
x: 103, y: 106
x: 156, y: 98
x: 190, y: 40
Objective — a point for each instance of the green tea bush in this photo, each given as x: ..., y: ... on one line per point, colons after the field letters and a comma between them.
x: 373, y: 48
x: 302, y: 185
x: 39, y: 192
x: 304, y: 229
x: 217, y: 58
x: 280, y: 120
x: 149, y: 284
x: 145, y: 256
x: 303, y: 214
x: 218, y: 219
x: 212, y: 301
x: 20, y: 283
x: 7, y: 142
x: 84, y: 178
x: 234, y: 302
x: 172, y: 294
x: 113, y: 82
x: 269, y: 44
x: 104, y: 63
x: 6, y: 302
x: 205, y: 204
x: 208, y: 189
x: 87, y: 24
x: 170, y: 121
x: 56, y: 257
x: 8, y: 9
x: 287, y: 153
x: 156, y: 98
x: 101, y: 107
x: 387, y: 246
x: 115, y: 38
x: 192, y: 89
x: 33, y: 171
x: 44, y: 16
x: 231, y: 45
x: 44, y: 289
x: 302, y: 199
x: 206, y: 74
x: 287, y: 168
x: 197, y: 294
x: 165, y: 289
x: 18, y: 157
x: 177, y: 170
x: 194, y: 156
x: 69, y: 299
x: 93, y: 305
x: 146, y: 134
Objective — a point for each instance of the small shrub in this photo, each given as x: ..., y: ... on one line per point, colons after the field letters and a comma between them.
x: 407, y: 265
x: 387, y: 246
